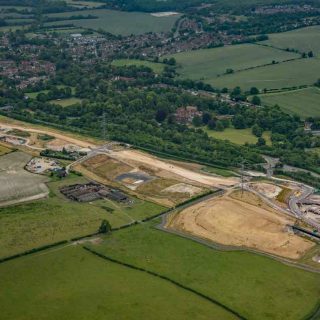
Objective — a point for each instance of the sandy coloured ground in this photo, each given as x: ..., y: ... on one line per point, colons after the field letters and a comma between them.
x: 136, y: 157
x: 267, y: 189
x: 57, y: 135
x: 233, y: 222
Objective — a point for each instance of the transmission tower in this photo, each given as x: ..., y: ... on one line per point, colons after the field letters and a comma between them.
x: 104, y: 127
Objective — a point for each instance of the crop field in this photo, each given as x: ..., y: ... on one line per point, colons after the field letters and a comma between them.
x: 282, y: 75
x: 208, y: 64
x: 34, y: 224
x: 304, y: 102
x: 304, y: 40
x: 156, y: 67
x: 16, y: 184
x: 119, y: 22
x: 72, y: 283
x: 237, y: 279
x: 237, y: 136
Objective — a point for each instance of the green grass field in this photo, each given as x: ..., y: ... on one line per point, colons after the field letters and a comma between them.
x: 207, y: 64
x: 156, y: 67
x: 304, y: 39
x: 255, y: 286
x: 72, y: 283
x: 41, y: 222
x: 66, y: 102
x: 119, y: 22
x: 304, y: 102
x: 283, y: 75
x: 237, y: 136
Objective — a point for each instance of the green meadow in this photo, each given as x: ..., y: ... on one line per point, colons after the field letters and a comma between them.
x: 208, y: 64
x: 70, y: 283
x: 304, y: 39
x: 304, y: 102
x: 156, y: 67
x: 255, y: 286
x: 237, y: 136
x: 118, y: 22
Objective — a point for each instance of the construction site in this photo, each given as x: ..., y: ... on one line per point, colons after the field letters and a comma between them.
x: 93, y: 191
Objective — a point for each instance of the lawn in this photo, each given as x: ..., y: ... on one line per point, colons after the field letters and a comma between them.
x: 207, y: 64
x: 73, y: 284
x: 66, y: 102
x: 118, y: 22
x: 237, y: 136
x: 304, y: 102
x: 283, y: 75
x: 34, y: 224
x: 304, y: 39
x: 156, y: 67
x: 255, y: 286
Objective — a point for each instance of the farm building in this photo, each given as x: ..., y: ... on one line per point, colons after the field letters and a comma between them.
x: 186, y: 114
x: 92, y: 191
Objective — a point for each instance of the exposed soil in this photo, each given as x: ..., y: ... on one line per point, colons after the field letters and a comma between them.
x: 170, y: 170
x: 230, y: 221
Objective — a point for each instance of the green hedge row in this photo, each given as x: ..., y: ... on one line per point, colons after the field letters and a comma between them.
x: 167, y: 279
x: 33, y: 250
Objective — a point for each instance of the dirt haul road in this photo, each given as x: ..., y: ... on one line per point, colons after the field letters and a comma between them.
x: 233, y: 222
x: 128, y: 156
x: 65, y: 137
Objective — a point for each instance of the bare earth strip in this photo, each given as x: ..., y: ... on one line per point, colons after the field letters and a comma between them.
x: 232, y: 222
x: 153, y: 162
x: 63, y: 136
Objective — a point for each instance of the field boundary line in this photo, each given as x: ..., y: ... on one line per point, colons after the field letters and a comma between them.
x: 226, y: 248
x: 203, y: 296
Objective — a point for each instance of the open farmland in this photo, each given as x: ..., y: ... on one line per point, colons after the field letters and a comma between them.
x: 208, y: 64
x: 38, y: 223
x: 304, y: 40
x: 238, y: 136
x: 74, y: 284
x: 118, y: 22
x: 156, y: 67
x: 235, y: 279
x: 264, y: 230
x: 16, y: 184
x: 277, y: 76
x: 304, y: 102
